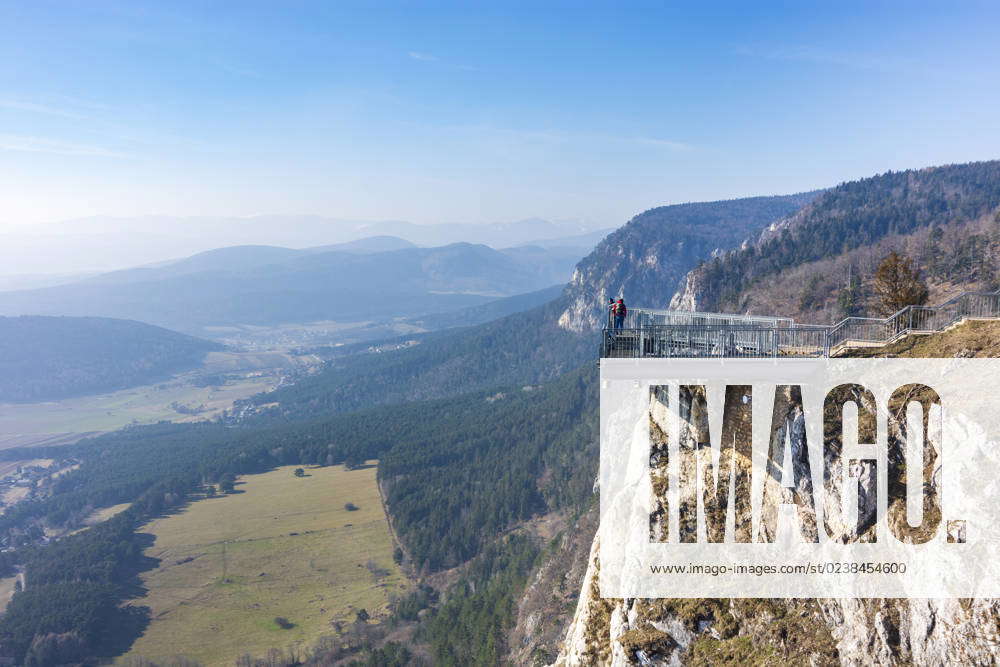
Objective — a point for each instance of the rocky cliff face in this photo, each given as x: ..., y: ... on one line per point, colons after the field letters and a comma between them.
x: 645, y: 260
x: 760, y: 631
x: 686, y: 298
x: 547, y: 603
x: 851, y: 632
x: 633, y: 631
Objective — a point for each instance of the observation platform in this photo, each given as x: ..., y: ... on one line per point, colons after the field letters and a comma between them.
x: 675, y: 333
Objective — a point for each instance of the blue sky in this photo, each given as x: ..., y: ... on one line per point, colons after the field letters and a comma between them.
x: 477, y: 112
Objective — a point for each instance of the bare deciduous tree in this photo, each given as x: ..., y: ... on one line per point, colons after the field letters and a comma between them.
x: 898, y: 284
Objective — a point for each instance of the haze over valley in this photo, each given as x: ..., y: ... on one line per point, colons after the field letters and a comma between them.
x: 102, y: 244
x: 304, y: 310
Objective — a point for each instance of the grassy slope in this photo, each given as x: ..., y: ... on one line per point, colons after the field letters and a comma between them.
x: 247, y: 568
x: 972, y: 339
x: 35, y: 423
x: 241, y: 375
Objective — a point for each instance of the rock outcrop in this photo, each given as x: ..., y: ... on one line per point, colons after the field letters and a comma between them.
x: 645, y: 260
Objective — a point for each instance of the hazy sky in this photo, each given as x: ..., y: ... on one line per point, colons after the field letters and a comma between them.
x: 443, y: 113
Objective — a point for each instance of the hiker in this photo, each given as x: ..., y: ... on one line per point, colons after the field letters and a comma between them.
x: 620, y: 312
x: 611, y: 313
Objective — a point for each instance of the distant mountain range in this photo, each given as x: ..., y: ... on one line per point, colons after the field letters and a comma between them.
x: 646, y: 260
x: 106, y: 243
x: 373, y: 278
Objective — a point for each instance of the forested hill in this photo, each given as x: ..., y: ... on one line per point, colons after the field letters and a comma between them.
x: 645, y: 260
x: 885, y: 210
x: 527, y: 347
x: 48, y: 358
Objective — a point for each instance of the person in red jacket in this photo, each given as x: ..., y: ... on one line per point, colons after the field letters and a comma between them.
x: 620, y: 312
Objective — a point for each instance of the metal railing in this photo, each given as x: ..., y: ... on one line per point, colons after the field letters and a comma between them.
x: 914, y: 319
x: 639, y: 318
x: 674, y: 333
x: 718, y: 340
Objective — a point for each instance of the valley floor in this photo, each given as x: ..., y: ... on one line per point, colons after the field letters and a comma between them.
x: 281, y: 561
x: 178, y: 399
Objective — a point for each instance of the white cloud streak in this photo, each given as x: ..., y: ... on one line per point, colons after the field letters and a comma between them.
x: 847, y: 59
x: 424, y: 57
x: 579, y: 138
x: 431, y: 58
x: 33, y: 107
x: 29, y: 144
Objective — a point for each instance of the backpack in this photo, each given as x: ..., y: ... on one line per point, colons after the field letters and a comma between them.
x: 620, y: 309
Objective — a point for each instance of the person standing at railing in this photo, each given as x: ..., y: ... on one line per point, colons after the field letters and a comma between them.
x: 620, y: 312
x: 611, y: 313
